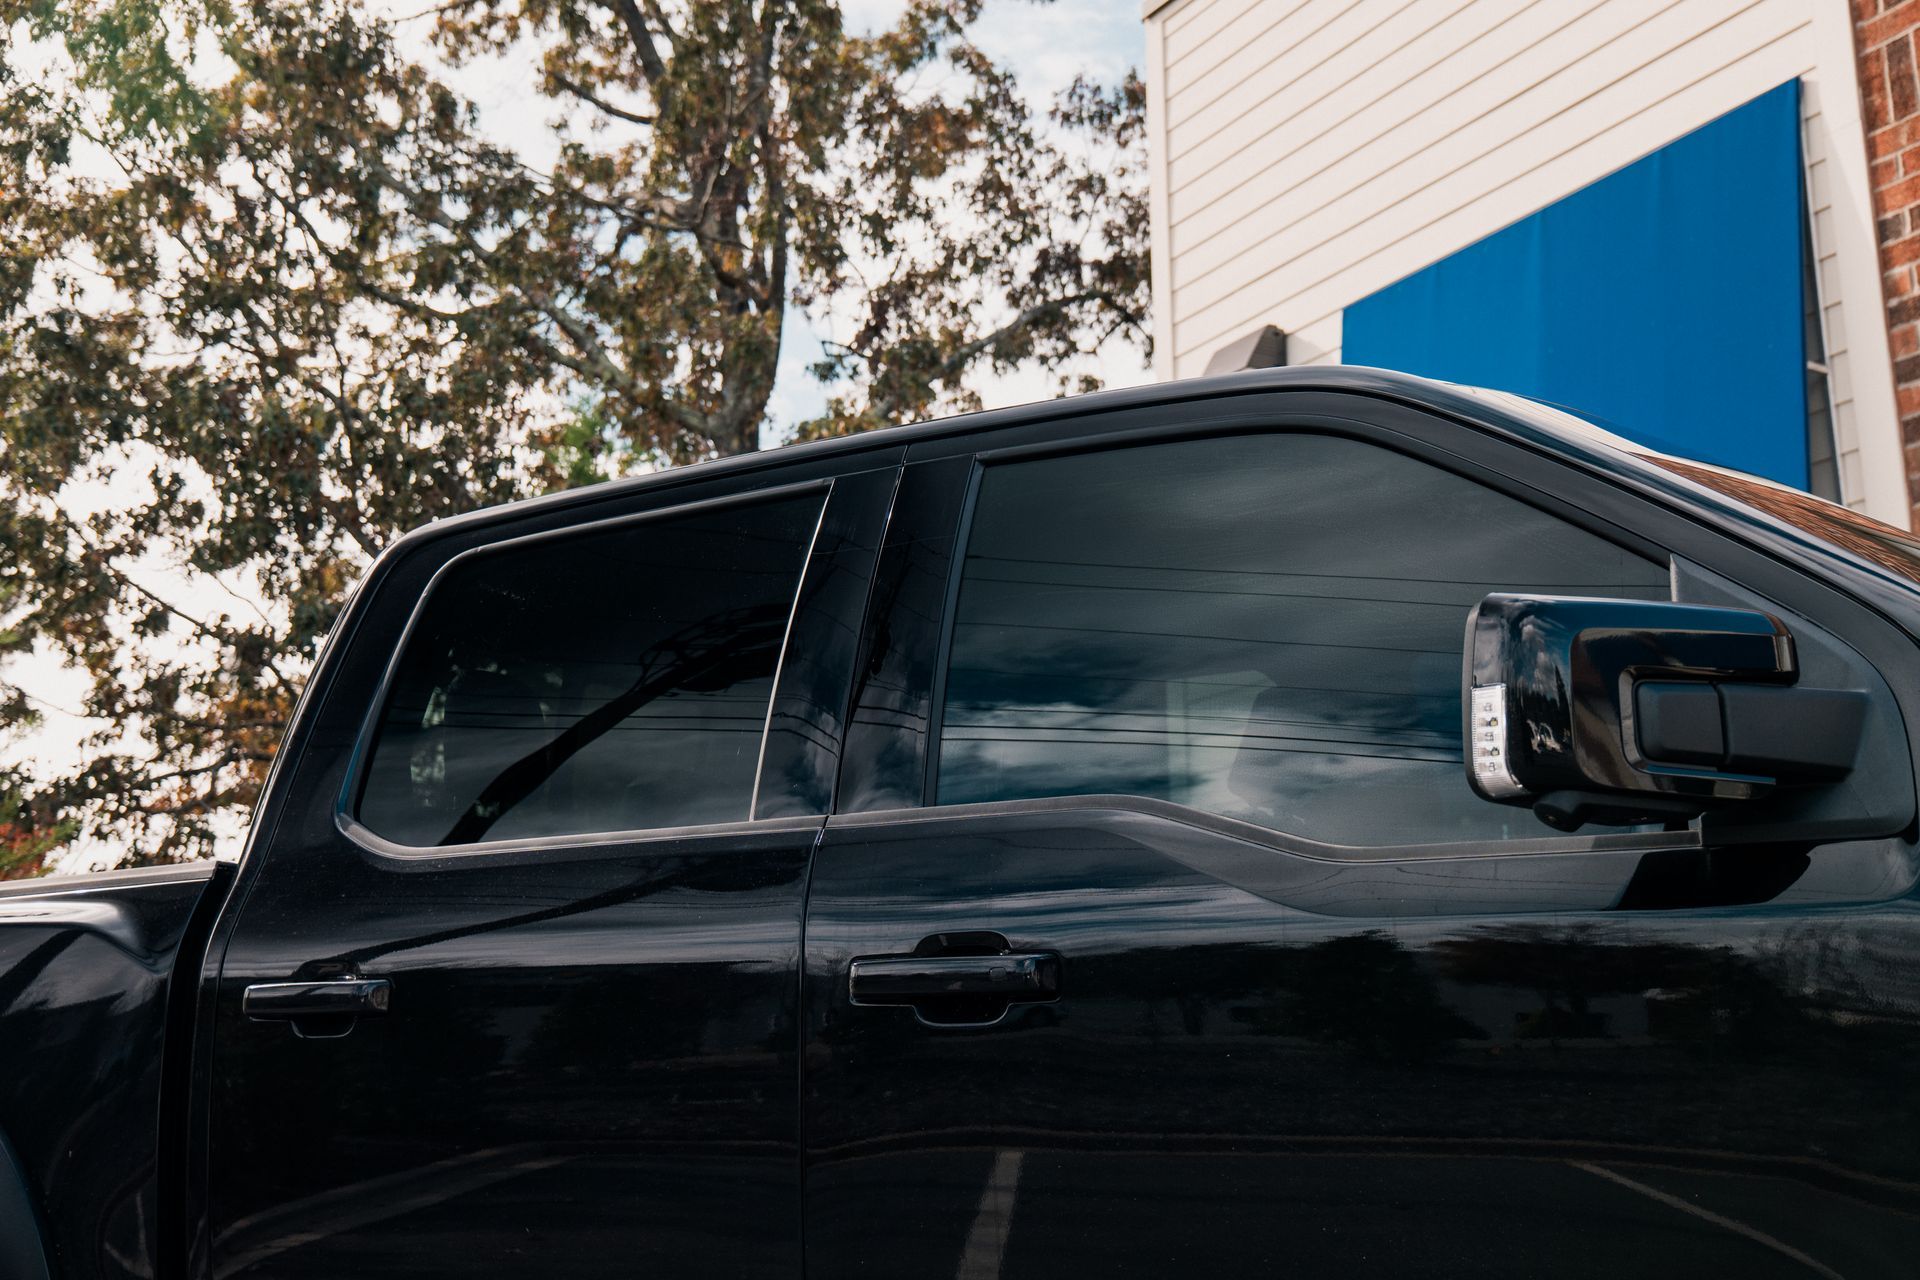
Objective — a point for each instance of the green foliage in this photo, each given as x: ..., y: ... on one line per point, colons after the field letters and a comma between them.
x: 262, y: 260
x: 26, y: 837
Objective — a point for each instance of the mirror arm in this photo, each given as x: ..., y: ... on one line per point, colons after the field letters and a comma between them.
x: 1571, y: 810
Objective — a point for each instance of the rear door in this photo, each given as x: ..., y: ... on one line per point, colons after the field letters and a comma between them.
x: 1159, y: 931
x: 512, y: 988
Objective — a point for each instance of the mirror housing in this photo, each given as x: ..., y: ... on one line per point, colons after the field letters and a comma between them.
x: 1623, y: 712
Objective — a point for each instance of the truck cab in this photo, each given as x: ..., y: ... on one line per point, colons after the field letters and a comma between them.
x: 1312, y: 818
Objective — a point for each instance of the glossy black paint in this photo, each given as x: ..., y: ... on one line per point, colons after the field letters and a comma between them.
x: 886, y: 760
x: 327, y: 999
x: 1645, y: 1053
x: 85, y: 970
x: 589, y: 1059
x: 587, y: 1067
x: 1454, y: 1068
x: 808, y: 723
x: 1568, y: 668
x: 1622, y: 1059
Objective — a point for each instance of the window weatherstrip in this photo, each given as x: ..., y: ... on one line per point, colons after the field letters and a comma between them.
x: 1284, y: 841
x: 371, y: 841
x: 780, y: 660
x: 949, y: 615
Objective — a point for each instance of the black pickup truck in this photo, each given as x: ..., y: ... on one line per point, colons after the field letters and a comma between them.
x: 1311, y: 820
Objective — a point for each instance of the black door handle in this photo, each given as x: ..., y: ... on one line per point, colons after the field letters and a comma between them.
x: 317, y: 1009
x: 956, y: 990
x: 907, y: 979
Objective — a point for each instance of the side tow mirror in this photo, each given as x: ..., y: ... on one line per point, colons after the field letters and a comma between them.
x: 1621, y: 712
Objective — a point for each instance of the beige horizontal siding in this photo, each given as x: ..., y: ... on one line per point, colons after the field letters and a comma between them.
x: 1418, y: 188
x: 1216, y: 32
x: 1307, y: 153
x: 1188, y: 26
x: 1311, y: 263
x: 1320, y: 115
x: 1203, y: 98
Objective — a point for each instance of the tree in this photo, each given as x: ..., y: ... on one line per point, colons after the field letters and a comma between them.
x: 264, y: 257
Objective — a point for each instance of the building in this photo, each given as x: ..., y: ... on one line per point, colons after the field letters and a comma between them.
x: 1696, y: 219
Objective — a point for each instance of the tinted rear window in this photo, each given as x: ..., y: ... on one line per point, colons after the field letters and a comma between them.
x: 615, y: 679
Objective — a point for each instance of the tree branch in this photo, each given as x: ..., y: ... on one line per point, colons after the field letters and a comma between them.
x: 105, y: 562
x: 643, y: 46
x: 587, y: 95
x: 957, y: 360
x: 433, y: 10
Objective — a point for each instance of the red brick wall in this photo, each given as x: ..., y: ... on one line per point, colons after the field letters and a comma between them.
x: 1885, y: 39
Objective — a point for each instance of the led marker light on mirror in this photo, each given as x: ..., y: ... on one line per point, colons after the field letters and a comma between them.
x: 1487, y: 725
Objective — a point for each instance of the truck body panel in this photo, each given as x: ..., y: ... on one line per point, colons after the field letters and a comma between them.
x: 87, y: 967
x: 1343, y: 1032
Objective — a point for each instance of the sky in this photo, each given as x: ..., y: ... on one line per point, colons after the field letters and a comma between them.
x: 1045, y: 44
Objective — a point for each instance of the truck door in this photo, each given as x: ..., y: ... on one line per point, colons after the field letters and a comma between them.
x: 1158, y: 931
x: 512, y: 988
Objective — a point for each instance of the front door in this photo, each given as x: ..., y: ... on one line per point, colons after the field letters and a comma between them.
x: 1161, y: 933
x: 512, y: 990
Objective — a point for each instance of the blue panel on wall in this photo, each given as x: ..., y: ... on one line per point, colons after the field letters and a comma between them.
x: 1665, y: 298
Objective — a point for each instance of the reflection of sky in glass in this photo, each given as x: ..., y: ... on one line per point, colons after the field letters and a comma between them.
x: 1265, y: 627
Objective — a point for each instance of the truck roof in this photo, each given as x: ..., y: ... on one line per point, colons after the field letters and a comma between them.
x: 1799, y: 526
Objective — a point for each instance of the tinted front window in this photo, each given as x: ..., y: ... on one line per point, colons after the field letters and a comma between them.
x: 1265, y: 627
x: 606, y: 681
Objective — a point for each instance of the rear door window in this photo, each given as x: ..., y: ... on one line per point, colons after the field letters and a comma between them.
x: 611, y: 679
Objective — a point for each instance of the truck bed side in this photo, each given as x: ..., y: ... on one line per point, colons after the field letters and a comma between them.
x: 86, y: 969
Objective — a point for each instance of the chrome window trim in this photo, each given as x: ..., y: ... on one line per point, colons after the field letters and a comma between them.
x: 371, y: 842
